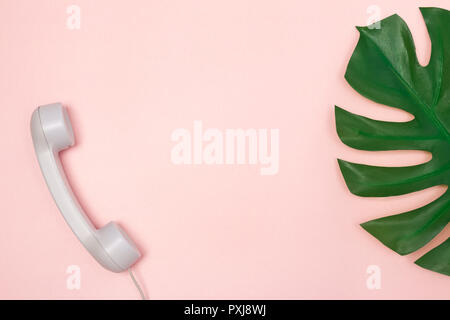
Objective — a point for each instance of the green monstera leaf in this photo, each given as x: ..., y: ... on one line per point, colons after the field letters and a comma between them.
x: 385, y: 69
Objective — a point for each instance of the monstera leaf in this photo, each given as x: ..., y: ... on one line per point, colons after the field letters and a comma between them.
x: 385, y: 69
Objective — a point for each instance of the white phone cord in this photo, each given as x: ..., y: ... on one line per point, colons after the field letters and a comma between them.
x: 137, y: 284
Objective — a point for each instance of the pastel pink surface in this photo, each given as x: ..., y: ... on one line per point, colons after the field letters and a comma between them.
x: 137, y: 70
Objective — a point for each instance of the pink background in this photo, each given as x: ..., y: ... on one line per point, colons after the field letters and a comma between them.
x: 137, y: 70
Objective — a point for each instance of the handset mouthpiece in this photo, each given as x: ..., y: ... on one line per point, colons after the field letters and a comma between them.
x: 56, y: 126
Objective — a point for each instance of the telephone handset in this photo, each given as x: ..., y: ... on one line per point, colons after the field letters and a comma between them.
x: 51, y: 131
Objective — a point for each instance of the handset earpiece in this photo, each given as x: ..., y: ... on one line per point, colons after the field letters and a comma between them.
x: 51, y: 131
